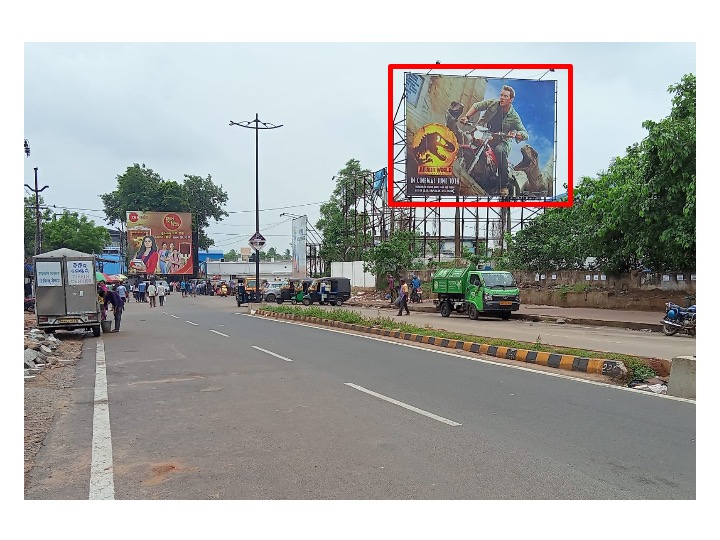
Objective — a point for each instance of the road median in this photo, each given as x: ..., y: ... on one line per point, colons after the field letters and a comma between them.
x: 614, y: 368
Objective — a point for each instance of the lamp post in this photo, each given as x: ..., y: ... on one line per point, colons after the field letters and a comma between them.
x: 255, y: 124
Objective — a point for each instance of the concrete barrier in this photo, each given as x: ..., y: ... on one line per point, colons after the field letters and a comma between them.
x: 682, y: 377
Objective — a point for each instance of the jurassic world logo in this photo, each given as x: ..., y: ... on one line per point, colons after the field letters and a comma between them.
x: 434, y: 148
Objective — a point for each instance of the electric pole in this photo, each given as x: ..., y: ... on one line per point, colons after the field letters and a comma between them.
x: 37, y: 191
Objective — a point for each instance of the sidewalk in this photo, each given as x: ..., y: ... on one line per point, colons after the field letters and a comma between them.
x: 635, y: 320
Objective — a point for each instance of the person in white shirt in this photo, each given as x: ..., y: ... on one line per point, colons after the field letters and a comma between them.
x: 152, y: 292
x: 161, y: 293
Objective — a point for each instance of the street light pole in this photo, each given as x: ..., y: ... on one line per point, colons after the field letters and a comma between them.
x: 266, y: 125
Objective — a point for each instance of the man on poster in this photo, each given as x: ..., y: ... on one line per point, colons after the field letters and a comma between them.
x: 500, y: 117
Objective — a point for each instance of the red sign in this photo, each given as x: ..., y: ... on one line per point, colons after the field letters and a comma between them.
x: 133, y: 216
x: 172, y: 222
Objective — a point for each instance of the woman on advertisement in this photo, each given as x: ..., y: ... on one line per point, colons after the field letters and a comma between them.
x: 146, y: 258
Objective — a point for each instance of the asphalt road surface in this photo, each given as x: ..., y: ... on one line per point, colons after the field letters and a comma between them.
x: 197, y: 401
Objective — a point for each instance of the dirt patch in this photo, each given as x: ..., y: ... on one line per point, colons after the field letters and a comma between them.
x: 48, y: 393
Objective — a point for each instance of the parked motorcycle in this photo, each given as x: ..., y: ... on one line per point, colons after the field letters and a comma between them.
x: 30, y: 304
x: 678, y: 319
x: 416, y: 296
x: 477, y: 158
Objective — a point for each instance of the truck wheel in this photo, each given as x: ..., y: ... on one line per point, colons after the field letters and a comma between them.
x: 339, y: 302
x: 473, y: 312
x: 279, y: 300
x: 445, y: 309
x: 306, y: 301
x: 96, y: 330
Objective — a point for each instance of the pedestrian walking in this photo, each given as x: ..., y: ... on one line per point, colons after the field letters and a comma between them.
x: 122, y: 292
x: 152, y: 292
x: 403, y: 298
x: 391, y: 286
x: 113, y: 298
x: 141, y: 291
x: 161, y: 293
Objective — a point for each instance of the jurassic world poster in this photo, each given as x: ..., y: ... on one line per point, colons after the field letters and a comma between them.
x: 479, y: 137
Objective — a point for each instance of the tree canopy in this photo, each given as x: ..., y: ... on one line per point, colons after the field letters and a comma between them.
x: 31, y: 223
x: 143, y: 190
x: 640, y: 213
x: 394, y: 254
x: 345, y: 228
x: 73, y: 231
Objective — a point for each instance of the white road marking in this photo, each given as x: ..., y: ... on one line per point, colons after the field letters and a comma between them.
x: 472, y: 359
x: 405, y: 405
x: 219, y: 333
x: 175, y: 316
x: 193, y: 323
x: 271, y: 353
x: 102, y: 483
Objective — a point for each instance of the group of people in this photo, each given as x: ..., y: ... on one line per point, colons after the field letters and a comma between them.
x: 149, y: 292
x: 401, y: 294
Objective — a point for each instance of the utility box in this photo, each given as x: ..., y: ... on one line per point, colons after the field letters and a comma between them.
x: 66, y: 291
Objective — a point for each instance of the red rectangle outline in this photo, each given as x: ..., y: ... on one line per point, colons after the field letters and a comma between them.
x: 391, y: 141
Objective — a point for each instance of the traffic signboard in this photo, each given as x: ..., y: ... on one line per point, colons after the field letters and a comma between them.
x: 257, y: 241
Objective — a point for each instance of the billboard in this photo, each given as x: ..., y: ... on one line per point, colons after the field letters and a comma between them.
x: 299, y: 243
x: 478, y: 136
x: 160, y: 243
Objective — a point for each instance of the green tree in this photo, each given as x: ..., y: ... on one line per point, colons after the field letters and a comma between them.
x: 393, y: 255
x: 31, y: 222
x: 272, y: 254
x: 287, y: 255
x: 143, y: 190
x: 639, y: 213
x: 344, y: 228
x: 231, y: 256
x: 76, y: 232
x: 669, y: 178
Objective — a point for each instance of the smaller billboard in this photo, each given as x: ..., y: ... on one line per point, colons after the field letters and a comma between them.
x: 160, y: 243
x: 299, y: 246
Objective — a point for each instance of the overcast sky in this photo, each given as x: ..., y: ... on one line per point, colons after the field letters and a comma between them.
x: 93, y: 109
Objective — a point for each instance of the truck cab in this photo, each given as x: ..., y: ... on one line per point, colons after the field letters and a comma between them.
x: 475, y: 292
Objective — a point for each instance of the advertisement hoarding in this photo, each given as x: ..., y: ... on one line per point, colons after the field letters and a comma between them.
x: 160, y: 243
x: 299, y: 243
x: 479, y: 136
x: 441, y: 94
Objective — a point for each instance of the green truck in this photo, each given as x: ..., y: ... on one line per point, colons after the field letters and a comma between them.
x: 475, y: 292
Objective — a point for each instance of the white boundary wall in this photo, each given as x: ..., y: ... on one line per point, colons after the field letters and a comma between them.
x: 354, y: 271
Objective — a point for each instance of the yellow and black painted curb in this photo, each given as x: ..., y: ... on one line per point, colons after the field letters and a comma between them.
x: 601, y: 366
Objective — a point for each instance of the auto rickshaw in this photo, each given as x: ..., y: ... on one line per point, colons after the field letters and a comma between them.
x: 294, y: 294
x: 337, y: 291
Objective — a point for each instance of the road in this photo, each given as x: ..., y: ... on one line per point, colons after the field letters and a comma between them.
x: 596, y: 338
x: 205, y: 403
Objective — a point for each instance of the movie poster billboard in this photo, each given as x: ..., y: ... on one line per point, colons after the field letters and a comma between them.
x: 479, y: 136
x: 160, y: 243
x: 299, y: 246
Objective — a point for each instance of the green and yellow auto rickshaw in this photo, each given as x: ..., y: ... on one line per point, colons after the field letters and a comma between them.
x: 294, y: 293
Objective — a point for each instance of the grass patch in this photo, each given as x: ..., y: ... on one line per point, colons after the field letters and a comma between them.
x: 637, y: 366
